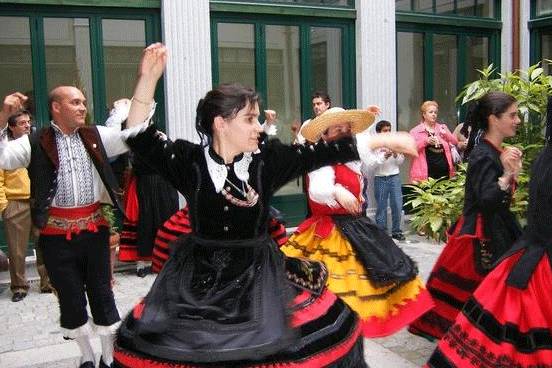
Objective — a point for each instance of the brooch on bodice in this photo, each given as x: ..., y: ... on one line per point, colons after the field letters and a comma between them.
x: 251, y: 196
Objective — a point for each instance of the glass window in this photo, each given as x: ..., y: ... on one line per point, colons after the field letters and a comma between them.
x: 478, y: 56
x: 67, y: 49
x: 543, y: 7
x: 338, y: 3
x: 423, y: 6
x: 479, y: 8
x: 445, y: 55
x: 15, y: 56
x: 485, y: 8
x: 403, y: 5
x: 236, y: 53
x: 123, y: 42
x: 326, y: 62
x: 546, y: 50
x: 410, y: 78
x: 444, y: 7
x: 283, y: 84
x: 466, y: 7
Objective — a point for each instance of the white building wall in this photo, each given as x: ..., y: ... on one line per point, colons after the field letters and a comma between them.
x: 376, y: 65
x: 506, y: 36
x: 524, y: 41
x: 376, y: 56
x: 186, y: 32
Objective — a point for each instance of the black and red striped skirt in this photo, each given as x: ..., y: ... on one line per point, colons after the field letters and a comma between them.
x: 502, y: 325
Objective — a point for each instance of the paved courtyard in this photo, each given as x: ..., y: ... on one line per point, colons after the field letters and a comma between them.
x: 29, y: 335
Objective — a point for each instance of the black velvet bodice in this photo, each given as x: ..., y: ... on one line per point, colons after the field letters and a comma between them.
x: 212, y: 216
x: 484, y: 197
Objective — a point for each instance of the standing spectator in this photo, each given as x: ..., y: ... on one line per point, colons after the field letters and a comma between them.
x: 15, y: 191
x: 462, y: 139
x: 387, y: 185
x: 69, y: 171
x: 433, y: 140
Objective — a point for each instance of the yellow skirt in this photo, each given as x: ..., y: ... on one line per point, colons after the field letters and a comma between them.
x: 383, y: 310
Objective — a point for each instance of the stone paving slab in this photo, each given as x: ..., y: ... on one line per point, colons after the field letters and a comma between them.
x: 30, y: 337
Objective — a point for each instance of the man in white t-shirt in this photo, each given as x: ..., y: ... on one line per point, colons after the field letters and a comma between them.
x: 387, y: 185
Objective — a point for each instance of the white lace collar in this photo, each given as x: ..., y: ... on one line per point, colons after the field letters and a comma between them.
x: 218, y: 171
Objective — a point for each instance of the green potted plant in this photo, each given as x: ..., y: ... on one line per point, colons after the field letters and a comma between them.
x: 436, y: 204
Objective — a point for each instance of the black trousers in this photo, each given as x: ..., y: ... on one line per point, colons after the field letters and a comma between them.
x: 78, y: 266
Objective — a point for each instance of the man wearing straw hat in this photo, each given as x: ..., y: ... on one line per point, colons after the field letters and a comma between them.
x: 367, y: 269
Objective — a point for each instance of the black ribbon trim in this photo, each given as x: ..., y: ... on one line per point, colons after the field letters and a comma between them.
x: 529, y: 342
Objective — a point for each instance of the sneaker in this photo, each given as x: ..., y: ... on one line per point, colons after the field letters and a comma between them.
x: 399, y: 236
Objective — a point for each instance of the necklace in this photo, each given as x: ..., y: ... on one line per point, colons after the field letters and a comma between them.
x: 251, y: 195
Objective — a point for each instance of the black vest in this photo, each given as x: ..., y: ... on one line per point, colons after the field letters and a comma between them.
x: 44, y: 165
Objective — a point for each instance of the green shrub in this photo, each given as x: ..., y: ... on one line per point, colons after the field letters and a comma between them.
x: 436, y: 204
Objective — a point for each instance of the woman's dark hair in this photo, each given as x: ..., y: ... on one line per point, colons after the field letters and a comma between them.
x: 382, y: 124
x: 225, y: 101
x: 477, y: 116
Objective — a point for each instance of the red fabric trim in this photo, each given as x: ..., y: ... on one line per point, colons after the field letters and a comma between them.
x: 324, y: 226
x: 131, y: 201
x: 127, y: 359
x: 314, y: 310
x: 138, y: 310
x: 74, y: 212
x: 406, y: 314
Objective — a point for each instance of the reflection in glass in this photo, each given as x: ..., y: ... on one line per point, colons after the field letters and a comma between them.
x: 326, y: 62
x: 444, y: 6
x: 410, y: 79
x: 546, y: 52
x: 236, y: 53
x: 543, y: 7
x: 485, y: 8
x: 478, y: 57
x: 445, y: 52
x: 403, y: 5
x: 340, y: 3
x: 123, y: 42
x: 67, y: 49
x: 15, y: 56
x: 283, y: 84
x: 423, y: 6
x: 466, y: 7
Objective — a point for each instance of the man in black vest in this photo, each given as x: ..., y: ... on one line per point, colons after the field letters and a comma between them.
x: 69, y: 170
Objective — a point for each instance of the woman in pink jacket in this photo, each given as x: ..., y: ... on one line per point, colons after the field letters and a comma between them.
x: 433, y: 141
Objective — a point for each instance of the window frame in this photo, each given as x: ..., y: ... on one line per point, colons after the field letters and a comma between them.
x: 429, y: 25
x: 95, y: 15
x: 496, y: 4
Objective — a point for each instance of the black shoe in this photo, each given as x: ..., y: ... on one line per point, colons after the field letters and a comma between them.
x: 18, y: 296
x: 103, y: 365
x: 143, y: 272
x: 398, y: 236
x: 46, y: 290
x: 87, y: 364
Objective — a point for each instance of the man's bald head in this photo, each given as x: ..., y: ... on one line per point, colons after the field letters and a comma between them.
x: 67, y: 107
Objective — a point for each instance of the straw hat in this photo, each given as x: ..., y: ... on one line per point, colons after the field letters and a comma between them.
x: 359, y: 120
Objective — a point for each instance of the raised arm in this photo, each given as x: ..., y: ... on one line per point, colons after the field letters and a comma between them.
x: 11, y: 104
x: 152, y: 65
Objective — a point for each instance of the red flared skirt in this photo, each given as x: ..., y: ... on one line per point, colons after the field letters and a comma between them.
x: 502, y: 326
x: 452, y: 281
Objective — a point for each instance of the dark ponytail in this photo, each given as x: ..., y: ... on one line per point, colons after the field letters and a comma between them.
x: 477, y: 116
x: 225, y: 101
